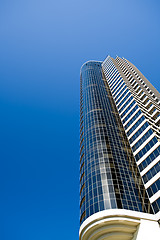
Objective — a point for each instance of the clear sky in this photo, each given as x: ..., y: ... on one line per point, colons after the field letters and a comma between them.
x: 43, y: 44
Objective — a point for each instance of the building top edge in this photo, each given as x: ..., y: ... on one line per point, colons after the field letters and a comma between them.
x: 90, y: 61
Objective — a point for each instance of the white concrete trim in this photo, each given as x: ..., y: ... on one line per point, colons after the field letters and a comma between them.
x: 155, y: 197
x: 124, y: 124
x: 119, y: 107
x: 124, y: 89
x: 138, y: 127
x: 150, y: 165
x: 157, y: 119
x: 136, y: 120
x: 116, y: 94
x: 147, y: 103
x: 148, y: 153
x: 116, y: 82
x: 154, y: 113
x: 142, y: 96
x: 111, y: 79
x: 112, y: 73
x: 152, y: 180
x: 153, y: 106
x: 127, y: 107
x: 144, y: 144
x: 117, y: 224
x: 122, y: 82
x: 140, y: 90
x: 140, y: 136
x: 117, y: 104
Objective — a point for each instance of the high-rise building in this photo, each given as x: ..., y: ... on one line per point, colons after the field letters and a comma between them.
x: 119, y: 152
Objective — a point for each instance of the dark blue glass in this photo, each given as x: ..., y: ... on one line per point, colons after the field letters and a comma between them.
x: 108, y: 172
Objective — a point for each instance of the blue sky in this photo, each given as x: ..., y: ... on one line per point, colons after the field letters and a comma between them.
x: 42, y: 47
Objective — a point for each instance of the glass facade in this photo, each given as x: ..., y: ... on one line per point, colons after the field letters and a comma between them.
x: 109, y: 177
x: 140, y: 118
